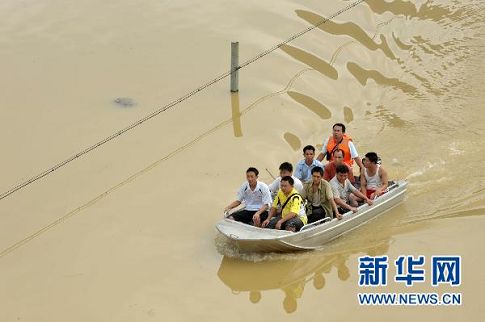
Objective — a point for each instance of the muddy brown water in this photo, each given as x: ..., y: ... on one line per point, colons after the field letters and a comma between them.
x: 126, y: 233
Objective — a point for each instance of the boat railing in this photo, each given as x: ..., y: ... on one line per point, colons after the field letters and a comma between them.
x: 316, y: 223
x: 392, y: 185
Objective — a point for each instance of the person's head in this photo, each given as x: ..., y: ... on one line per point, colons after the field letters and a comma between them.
x: 252, y: 175
x: 317, y: 175
x: 309, y: 153
x: 338, y: 156
x: 286, y: 184
x: 342, y: 173
x: 372, y: 157
x: 286, y: 169
x: 338, y: 131
x: 370, y: 160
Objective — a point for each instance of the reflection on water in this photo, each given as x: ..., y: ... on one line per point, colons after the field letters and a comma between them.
x: 428, y: 47
x: 311, y: 60
x: 236, y: 114
x: 312, y: 104
x: 350, y: 29
x: 362, y: 75
x: 290, y: 273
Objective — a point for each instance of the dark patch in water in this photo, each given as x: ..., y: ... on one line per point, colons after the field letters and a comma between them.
x: 125, y: 102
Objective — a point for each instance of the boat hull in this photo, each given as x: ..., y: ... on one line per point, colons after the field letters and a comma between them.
x: 253, y: 239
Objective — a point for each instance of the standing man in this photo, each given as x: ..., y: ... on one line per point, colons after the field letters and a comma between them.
x: 340, y: 140
x: 346, y: 196
x: 319, y: 196
x: 293, y: 215
x: 330, y: 169
x: 286, y: 170
x: 256, y: 197
x: 305, y: 166
x: 373, y: 182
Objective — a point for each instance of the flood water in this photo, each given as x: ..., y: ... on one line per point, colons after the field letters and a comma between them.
x: 126, y: 231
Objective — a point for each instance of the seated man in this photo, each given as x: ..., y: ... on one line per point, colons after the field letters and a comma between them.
x: 340, y: 140
x: 330, y: 168
x: 256, y: 197
x: 305, y: 166
x: 292, y: 216
x: 286, y: 170
x: 319, y: 197
x: 346, y: 196
x: 374, y: 181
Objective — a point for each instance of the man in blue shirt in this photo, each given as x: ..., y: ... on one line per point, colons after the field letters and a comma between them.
x: 304, y: 167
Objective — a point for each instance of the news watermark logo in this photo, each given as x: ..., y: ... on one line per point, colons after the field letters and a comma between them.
x: 409, y: 270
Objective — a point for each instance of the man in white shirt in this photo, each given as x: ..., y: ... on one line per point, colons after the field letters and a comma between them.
x: 256, y: 197
x: 346, y: 196
x: 286, y: 170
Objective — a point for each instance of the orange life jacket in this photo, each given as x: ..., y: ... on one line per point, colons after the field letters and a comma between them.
x: 343, y: 145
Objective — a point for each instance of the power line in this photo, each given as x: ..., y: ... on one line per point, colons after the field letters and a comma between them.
x: 174, y: 103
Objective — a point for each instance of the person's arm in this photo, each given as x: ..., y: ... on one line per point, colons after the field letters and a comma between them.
x: 257, y: 215
x: 363, y: 196
x: 272, y: 210
x: 322, y: 154
x: 239, y: 198
x: 363, y: 183
x: 335, y: 209
x: 343, y: 204
x: 271, y: 213
x: 383, y: 188
x: 233, y: 204
x: 351, y: 174
x: 331, y: 193
x: 355, y: 156
x: 358, y: 160
x: 287, y: 217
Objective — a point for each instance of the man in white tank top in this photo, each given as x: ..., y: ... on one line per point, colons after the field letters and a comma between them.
x: 373, y: 181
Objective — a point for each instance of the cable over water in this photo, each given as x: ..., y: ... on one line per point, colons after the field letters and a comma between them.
x: 174, y: 102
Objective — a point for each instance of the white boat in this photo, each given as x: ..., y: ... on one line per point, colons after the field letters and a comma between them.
x: 312, y: 236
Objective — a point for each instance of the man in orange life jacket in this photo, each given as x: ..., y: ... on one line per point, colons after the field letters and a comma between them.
x: 340, y: 140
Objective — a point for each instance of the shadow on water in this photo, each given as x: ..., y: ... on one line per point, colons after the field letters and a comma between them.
x: 293, y: 140
x: 401, y: 44
x: 348, y: 114
x: 312, y: 104
x: 362, y: 75
x: 290, y: 273
x: 349, y: 29
x: 311, y: 60
x: 388, y: 117
x: 427, y: 11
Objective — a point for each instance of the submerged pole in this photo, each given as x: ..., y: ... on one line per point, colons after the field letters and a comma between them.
x: 234, y: 66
